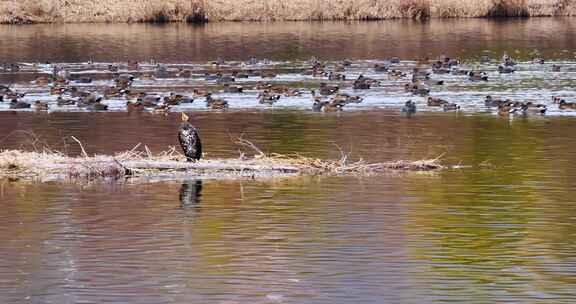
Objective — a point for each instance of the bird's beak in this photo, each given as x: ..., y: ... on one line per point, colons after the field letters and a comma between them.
x: 184, y: 117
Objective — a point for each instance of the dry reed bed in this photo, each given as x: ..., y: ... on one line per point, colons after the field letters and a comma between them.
x: 50, y: 165
x: 32, y: 11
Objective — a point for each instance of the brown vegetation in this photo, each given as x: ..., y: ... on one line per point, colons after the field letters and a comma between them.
x: 31, y: 11
x: 52, y: 165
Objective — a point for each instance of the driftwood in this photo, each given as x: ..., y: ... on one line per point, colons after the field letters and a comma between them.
x: 52, y: 165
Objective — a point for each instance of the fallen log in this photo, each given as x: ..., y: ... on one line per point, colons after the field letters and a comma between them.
x: 51, y: 165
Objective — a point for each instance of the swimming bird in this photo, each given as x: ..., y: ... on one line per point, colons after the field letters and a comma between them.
x: 189, y: 140
x: 267, y: 97
x: 362, y: 83
x: 216, y: 103
x: 435, y: 102
x: 477, y: 76
x: 40, y: 106
x: 450, y: 106
x: 409, y: 108
x: 492, y: 102
x: 17, y: 104
x: 562, y: 105
x: 505, y: 69
x: 326, y: 89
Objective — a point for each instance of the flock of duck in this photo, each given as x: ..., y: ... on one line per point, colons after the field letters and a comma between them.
x: 160, y: 88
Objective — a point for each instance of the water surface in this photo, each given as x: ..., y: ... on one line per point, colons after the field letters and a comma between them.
x: 500, y: 230
x: 553, y: 37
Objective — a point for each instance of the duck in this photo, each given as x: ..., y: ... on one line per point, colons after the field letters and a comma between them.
x: 17, y: 104
x: 97, y: 106
x: 346, y: 99
x: 418, y: 74
x: 562, y: 105
x: 113, y: 68
x: 556, y: 68
x: 162, y: 109
x: 225, y: 79
x: 346, y: 62
x: 538, y: 60
x: 133, y: 65
x: 40, y: 106
x: 134, y: 106
x: 42, y: 80
x: 505, y: 110
x: 128, y: 94
x: 484, y: 59
x: 56, y: 90
x: 326, y: 89
x: 60, y: 101
x: 146, y: 76
x: 332, y: 76
x: 395, y: 74
x: 435, y: 102
x: 200, y: 92
x: 317, y: 103
x: 75, y: 92
x: 237, y: 74
x: 556, y: 99
x: 10, y: 67
x: 489, y: 101
x: 232, y: 89
x: 378, y: 67
x: 182, y: 73
x: 507, y: 60
x: 409, y: 108
x: 504, y: 69
x: 14, y: 95
x: 291, y: 92
x: 362, y: 83
x: 161, y: 71
x: 450, y: 106
x: 417, y: 89
x: 216, y: 103
x: 175, y: 99
x: 267, y: 74
x: 89, y: 100
x: 149, y: 100
x: 331, y: 107
x: 84, y: 80
x: 529, y: 108
x: 124, y: 78
x: 477, y: 76
x: 267, y: 97
x: 218, y: 61
x: 4, y: 89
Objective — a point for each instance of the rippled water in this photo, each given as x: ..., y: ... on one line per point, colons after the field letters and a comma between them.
x: 499, y: 230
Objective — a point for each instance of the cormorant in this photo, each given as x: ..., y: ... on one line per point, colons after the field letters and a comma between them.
x: 189, y: 140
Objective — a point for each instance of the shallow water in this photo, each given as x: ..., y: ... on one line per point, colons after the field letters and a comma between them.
x: 499, y: 230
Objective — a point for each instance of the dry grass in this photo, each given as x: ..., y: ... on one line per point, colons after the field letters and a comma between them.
x: 50, y: 165
x: 30, y: 11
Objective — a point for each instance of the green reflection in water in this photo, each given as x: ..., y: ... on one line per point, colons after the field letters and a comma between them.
x: 488, y: 229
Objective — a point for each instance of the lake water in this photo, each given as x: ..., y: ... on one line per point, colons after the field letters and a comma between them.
x: 498, y: 230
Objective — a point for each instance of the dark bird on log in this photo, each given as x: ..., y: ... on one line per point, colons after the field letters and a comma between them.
x: 189, y: 140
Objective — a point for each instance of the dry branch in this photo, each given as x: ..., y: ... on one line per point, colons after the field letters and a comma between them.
x: 51, y: 165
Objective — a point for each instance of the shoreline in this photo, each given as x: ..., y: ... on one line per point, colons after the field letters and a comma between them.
x: 201, y: 11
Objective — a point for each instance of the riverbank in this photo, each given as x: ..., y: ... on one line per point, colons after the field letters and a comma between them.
x: 127, y: 11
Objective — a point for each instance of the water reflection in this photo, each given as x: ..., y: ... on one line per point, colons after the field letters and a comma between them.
x: 190, y: 193
x: 288, y: 40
